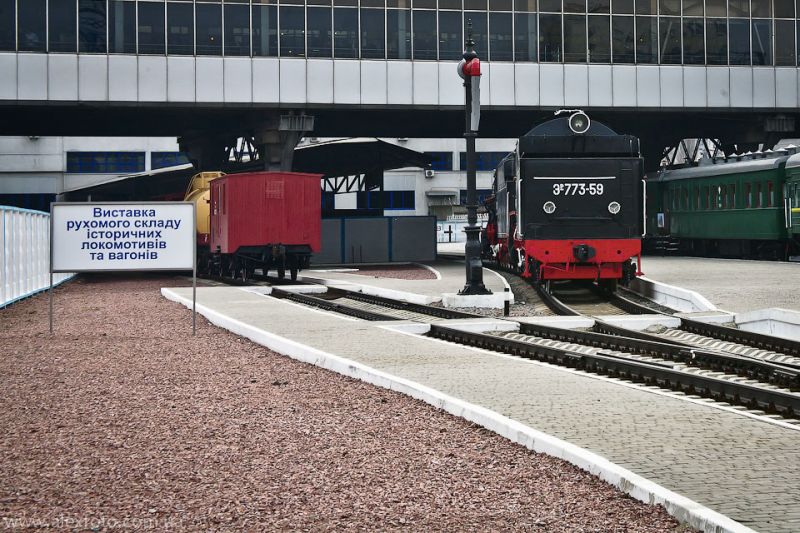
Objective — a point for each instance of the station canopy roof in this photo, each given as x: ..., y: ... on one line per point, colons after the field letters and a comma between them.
x: 335, y: 158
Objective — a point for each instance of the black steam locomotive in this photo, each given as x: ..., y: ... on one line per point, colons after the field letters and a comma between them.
x: 568, y: 204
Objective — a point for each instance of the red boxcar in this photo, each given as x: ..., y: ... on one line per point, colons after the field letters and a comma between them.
x: 267, y: 220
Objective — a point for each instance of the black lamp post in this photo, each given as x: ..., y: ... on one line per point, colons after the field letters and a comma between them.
x: 469, y: 69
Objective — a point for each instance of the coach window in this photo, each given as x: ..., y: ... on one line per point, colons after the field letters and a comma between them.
x: 748, y: 195
x: 451, y: 41
x: 732, y: 196
x: 180, y: 28
x: 293, y: 31
x: 762, y: 42
x: 599, y: 33
x: 424, y: 34
x: 739, y: 41
x: 575, y: 38
x: 237, y: 30
x: 345, y: 32
x: 705, y: 197
x: 685, y: 198
x: 693, y: 45
x: 92, y: 26
x: 121, y: 27
x: 31, y: 27
x: 373, y: 36
x: 716, y: 42
x: 480, y: 33
x: 785, y: 50
x: 62, y: 19
x: 208, y: 32
x: 759, y: 200
x: 525, y: 36
x: 646, y: 40
x: 398, y: 33
x: 151, y: 27
x: 549, y: 38
x: 501, y: 47
x: 319, y: 31
x: 622, y: 43
x: 697, y: 203
x: 770, y: 194
x: 265, y: 31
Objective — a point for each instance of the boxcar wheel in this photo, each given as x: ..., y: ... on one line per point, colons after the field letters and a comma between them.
x: 293, y: 274
x: 281, y: 272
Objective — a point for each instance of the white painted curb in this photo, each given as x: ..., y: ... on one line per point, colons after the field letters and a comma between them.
x: 680, y: 507
x: 671, y: 296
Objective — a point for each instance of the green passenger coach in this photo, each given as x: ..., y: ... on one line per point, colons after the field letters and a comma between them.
x: 740, y: 207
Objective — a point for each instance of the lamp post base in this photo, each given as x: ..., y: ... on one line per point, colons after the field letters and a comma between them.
x: 474, y: 265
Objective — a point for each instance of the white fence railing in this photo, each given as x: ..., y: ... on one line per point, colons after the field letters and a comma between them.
x: 24, y: 254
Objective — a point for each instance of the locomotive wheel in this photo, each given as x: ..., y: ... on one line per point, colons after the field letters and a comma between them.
x: 609, y: 285
x: 281, y: 272
x: 293, y: 274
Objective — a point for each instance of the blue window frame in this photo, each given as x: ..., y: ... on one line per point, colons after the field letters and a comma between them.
x: 483, y: 160
x: 105, y: 162
x: 167, y: 159
x: 441, y: 160
x: 483, y: 194
x: 398, y: 200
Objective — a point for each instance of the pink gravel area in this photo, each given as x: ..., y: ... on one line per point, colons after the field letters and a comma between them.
x: 396, y: 272
x: 124, y: 421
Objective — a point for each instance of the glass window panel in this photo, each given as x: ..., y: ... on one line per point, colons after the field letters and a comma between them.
x: 320, y: 31
x: 670, y: 7
x: 550, y: 5
x: 716, y: 8
x: 8, y: 31
x: 716, y: 42
x: 373, y: 3
x: 525, y: 37
x: 598, y: 6
x: 406, y: 4
x: 265, y: 31
x: 738, y: 8
x: 92, y: 26
x: 500, y: 37
x: 784, y: 8
x: 761, y: 8
x: 237, y: 30
x: 647, y: 7
x: 622, y: 47
x: 345, y: 32
x: 180, y: 28
x: 527, y: 5
x: 451, y: 40
x: 475, y: 4
x: 622, y: 7
x: 450, y: 4
x: 575, y: 38
x: 121, y: 27
x: 293, y: 31
x: 31, y: 26
x: 424, y: 34
x: 441, y: 160
x: 500, y: 5
x: 151, y: 28
x: 670, y: 31
x: 574, y: 6
x: 693, y: 8
x: 693, y: 45
x: 62, y: 16
x: 599, y: 31
x: 480, y: 32
x: 209, y: 29
x: 646, y: 40
x: 762, y: 42
x: 373, y: 38
x: 784, y: 43
x: 550, y: 38
x: 424, y: 4
x: 739, y: 41
x: 398, y: 30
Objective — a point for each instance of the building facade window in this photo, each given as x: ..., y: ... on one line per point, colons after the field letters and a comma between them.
x: 550, y: 38
x: 599, y: 38
x: 208, y: 32
x: 237, y: 30
x: 345, y: 32
x: 451, y: 40
x: 484, y: 161
x: 424, y: 34
x: 265, y: 31
x: 92, y: 26
x: 151, y: 28
x: 398, y: 34
x: 441, y: 160
x: 8, y: 25
x: 31, y: 26
x: 167, y: 159
x: 62, y: 19
x: 622, y: 39
x: 319, y: 32
x: 525, y: 37
x: 121, y: 27
x: 398, y: 200
x: 180, y: 28
x: 373, y: 36
x: 105, y: 162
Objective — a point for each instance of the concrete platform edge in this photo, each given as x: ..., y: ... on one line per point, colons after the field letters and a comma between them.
x: 671, y: 296
x: 642, y: 489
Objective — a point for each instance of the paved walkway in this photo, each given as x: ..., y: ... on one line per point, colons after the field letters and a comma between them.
x: 744, y: 468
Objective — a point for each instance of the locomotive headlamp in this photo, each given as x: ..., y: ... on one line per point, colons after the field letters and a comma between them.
x: 579, y: 122
x: 614, y: 208
x: 549, y: 208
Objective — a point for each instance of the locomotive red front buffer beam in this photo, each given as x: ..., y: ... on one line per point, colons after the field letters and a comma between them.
x: 579, y: 259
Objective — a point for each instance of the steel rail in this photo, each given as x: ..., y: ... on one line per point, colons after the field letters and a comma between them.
x: 439, y: 312
x: 328, y: 305
x: 751, y: 396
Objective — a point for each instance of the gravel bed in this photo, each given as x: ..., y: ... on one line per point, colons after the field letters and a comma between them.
x: 123, y: 420
x: 395, y: 272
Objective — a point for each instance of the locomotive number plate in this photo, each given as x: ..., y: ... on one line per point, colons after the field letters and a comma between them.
x: 578, y: 188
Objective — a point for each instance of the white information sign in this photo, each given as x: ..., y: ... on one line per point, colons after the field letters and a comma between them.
x: 123, y: 236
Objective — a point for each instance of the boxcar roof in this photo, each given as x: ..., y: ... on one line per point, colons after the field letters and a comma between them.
x: 720, y: 169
